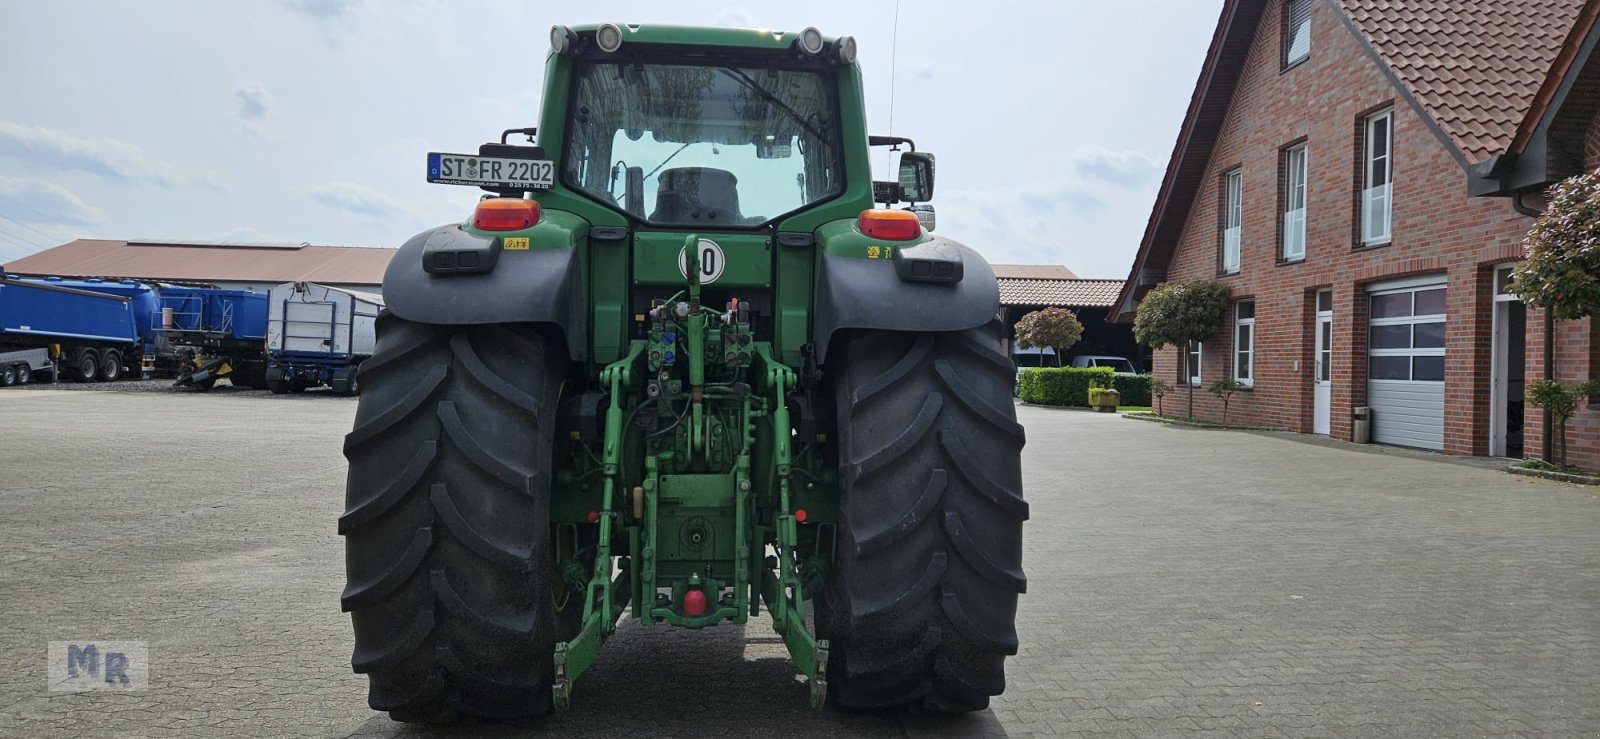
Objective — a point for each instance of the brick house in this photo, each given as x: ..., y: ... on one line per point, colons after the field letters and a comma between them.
x: 1361, y: 174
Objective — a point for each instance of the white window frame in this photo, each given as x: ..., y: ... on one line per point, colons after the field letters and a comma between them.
x: 1295, y: 161
x: 1293, y: 55
x: 1377, y: 200
x: 1233, y: 219
x: 1193, y: 355
x: 1244, y: 348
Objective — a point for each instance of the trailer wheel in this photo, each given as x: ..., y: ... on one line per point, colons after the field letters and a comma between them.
x: 452, y: 589
x: 111, y: 366
x: 8, y: 376
x: 24, y: 374
x: 922, y: 606
x: 87, y: 365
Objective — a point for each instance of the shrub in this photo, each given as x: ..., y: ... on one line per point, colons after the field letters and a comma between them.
x: 1053, y: 328
x: 1135, y: 389
x: 1061, y: 385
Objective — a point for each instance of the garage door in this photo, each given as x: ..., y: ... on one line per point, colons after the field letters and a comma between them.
x: 1405, y: 369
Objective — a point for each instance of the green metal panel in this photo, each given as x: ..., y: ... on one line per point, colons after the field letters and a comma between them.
x: 746, y: 259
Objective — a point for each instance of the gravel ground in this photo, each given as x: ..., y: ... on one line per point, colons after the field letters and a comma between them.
x: 223, y: 388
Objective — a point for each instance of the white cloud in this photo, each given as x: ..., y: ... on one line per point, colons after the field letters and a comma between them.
x: 37, y: 201
x: 255, y: 102
x: 1124, y: 168
x: 355, y: 198
x: 321, y: 10
x: 52, y: 149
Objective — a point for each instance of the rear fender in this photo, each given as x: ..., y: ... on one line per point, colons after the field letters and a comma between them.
x: 934, y: 284
x: 538, y: 279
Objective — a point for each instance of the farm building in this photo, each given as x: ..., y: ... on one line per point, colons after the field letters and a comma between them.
x: 251, y: 266
x: 1025, y: 288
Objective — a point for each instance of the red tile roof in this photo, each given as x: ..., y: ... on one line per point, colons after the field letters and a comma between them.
x: 1473, y: 65
x: 1064, y: 293
x: 344, y: 265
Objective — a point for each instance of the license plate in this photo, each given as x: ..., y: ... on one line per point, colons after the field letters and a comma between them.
x: 493, y: 172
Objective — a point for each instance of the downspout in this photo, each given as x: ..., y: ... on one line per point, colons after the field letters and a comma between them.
x: 1549, y: 338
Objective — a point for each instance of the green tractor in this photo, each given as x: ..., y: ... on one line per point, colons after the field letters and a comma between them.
x: 679, y: 366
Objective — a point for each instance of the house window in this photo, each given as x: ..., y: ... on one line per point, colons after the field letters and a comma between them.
x: 1296, y: 32
x: 1294, y: 204
x: 1191, y: 362
x: 1377, y: 203
x: 1244, y: 341
x: 1232, y: 219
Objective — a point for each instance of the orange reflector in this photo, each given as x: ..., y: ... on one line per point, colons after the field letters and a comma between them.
x: 800, y: 515
x: 594, y: 516
x: 890, y: 225
x: 505, y: 214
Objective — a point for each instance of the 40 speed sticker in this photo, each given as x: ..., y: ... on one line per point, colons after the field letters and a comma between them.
x: 709, y: 259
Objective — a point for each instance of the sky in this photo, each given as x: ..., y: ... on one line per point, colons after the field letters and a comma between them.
x: 309, y: 120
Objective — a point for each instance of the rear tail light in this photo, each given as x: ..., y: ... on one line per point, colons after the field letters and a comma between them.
x: 890, y: 225
x: 505, y: 214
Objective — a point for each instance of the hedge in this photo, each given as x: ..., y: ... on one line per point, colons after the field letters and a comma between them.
x: 1061, y: 385
x: 1070, y: 385
x: 1135, y: 389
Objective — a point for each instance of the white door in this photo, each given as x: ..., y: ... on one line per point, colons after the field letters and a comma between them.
x: 1405, y: 363
x: 1322, y: 383
x: 1507, y: 365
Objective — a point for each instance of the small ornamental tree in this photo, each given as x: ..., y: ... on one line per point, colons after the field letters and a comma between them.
x: 1561, y: 268
x: 1159, y: 389
x: 1225, y: 388
x: 1560, y: 400
x: 1055, y: 328
x: 1179, y: 314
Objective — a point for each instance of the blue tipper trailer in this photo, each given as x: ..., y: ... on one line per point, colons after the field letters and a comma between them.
x: 92, y: 329
x: 227, y: 330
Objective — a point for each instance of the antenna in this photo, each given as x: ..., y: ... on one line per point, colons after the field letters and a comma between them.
x: 894, y: 50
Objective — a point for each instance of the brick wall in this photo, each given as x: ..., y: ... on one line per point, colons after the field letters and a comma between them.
x: 1436, y: 229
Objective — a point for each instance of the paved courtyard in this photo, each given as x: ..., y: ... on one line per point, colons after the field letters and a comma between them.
x: 1181, y: 582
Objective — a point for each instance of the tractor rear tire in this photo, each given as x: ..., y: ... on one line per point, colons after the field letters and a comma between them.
x: 922, y: 608
x: 452, y: 590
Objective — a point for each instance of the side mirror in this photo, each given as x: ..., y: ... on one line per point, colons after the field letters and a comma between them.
x: 925, y: 214
x: 916, y: 176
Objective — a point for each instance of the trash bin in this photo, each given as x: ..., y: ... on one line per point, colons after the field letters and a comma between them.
x: 1361, y: 425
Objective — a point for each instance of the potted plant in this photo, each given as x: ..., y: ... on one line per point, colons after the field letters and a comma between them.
x: 1104, y: 399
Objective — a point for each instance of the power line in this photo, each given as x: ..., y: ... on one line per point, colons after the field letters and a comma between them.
x: 47, y: 237
x: 18, y: 240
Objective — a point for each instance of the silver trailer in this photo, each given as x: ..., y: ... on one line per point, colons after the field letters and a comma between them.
x: 26, y: 365
x: 318, y: 335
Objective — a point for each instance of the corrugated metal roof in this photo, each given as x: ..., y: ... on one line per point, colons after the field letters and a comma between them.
x: 1033, y: 271
x: 189, y: 261
x: 1072, y: 293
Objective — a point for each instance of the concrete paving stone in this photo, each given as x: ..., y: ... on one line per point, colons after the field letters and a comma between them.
x: 1177, y: 578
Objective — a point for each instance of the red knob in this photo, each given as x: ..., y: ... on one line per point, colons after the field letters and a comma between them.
x: 694, y: 603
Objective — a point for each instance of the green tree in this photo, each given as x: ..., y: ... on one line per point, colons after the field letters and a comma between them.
x: 1159, y: 389
x: 1560, y: 272
x: 1560, y: 400
x: 1225, y: 388
x: 1056, y: 328
x: 1180, y: 314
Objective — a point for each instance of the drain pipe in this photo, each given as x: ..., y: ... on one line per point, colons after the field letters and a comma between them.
x: 1549, y: 337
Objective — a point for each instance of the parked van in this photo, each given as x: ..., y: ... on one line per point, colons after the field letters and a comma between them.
x: 1119, y: 365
